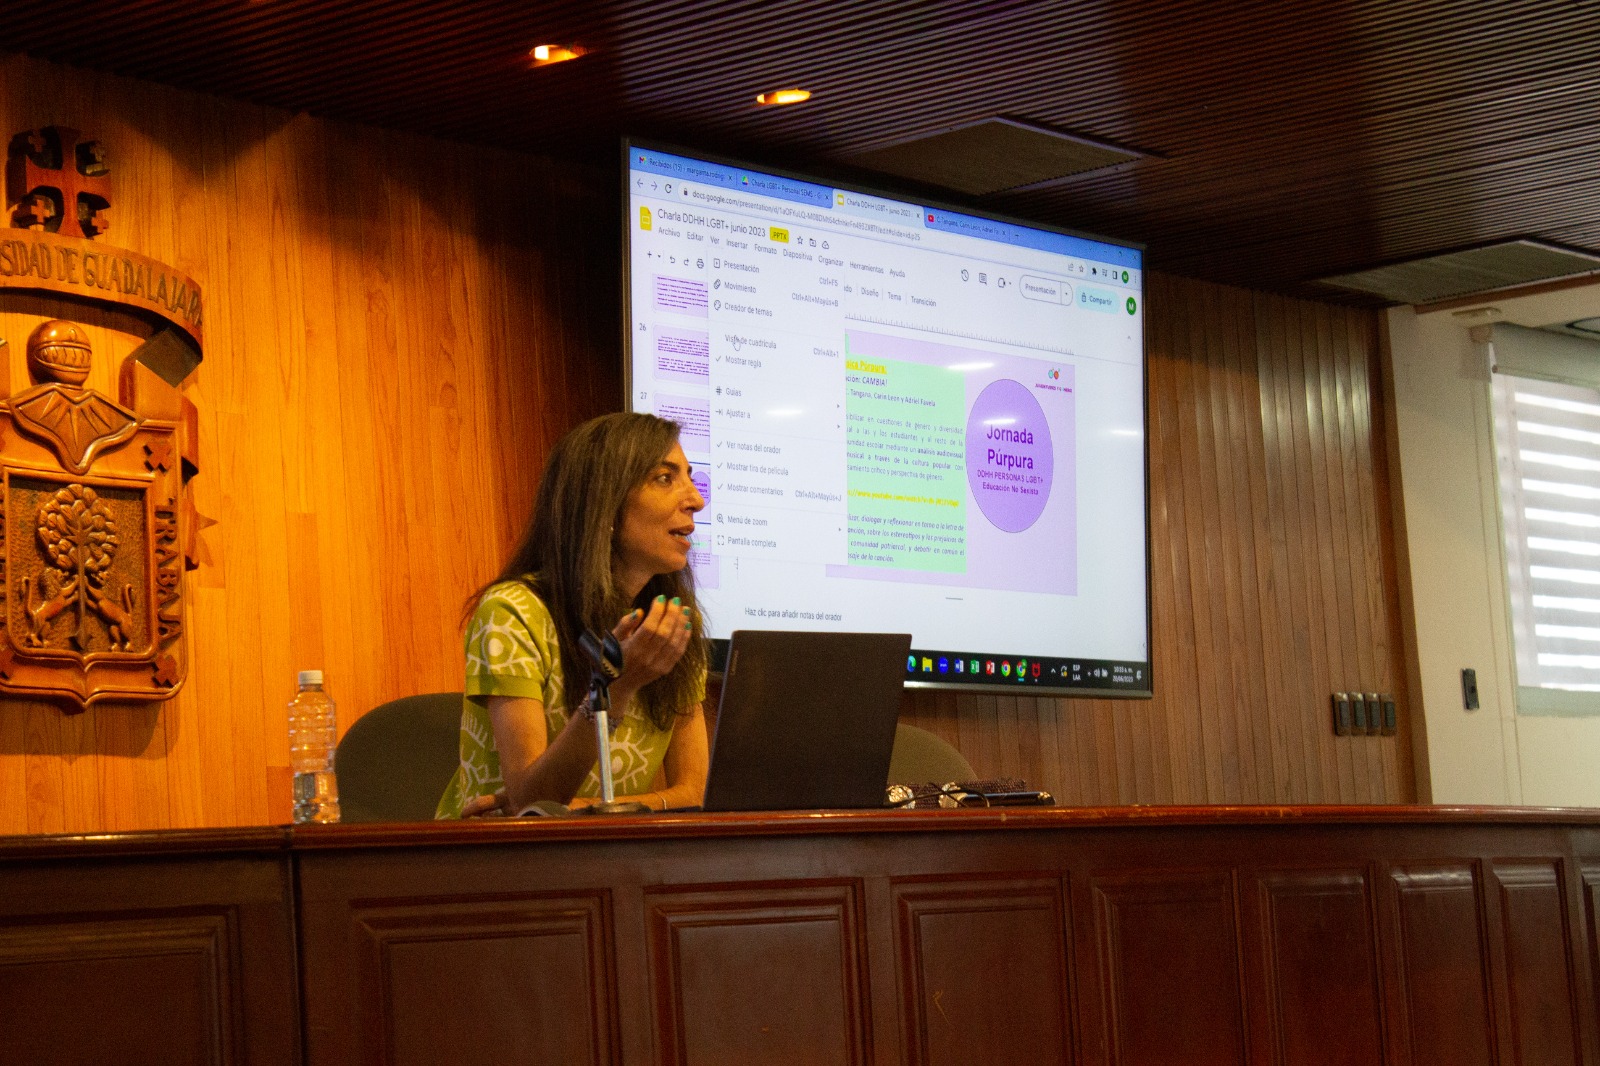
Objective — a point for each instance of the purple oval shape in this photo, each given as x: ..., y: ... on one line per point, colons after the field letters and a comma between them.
x: 1010, y: 460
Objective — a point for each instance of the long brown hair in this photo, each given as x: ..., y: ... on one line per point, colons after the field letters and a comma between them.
x: 566, y: 553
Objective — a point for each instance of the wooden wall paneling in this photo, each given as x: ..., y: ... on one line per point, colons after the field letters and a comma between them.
x: 193, y: 1019
x: 442, y: 293
x: 401, y: 407
x: 13, y: 769
x: 441, y: 287
x: 204, y: 744
x: 1361, y: 642
x: 1325, y: 513
x: 1169, y: 965
x: 1189, y: 692
x: 364, y: 344
x: 476, y: 490
x: 1375, y: 569
x: 175, y: 960
x: 721, y: 994
x: 1307, y: 612
x: 1253, y: 523
x: 1540, y: 979
x: 131, y: 744
x: 975, y: 959
x: 1360, y: 649
x: 1442, y: 965
x: 977, y: 715
x: 1206, y: 590
x: 1382, y: 571
x: 1588, y: 920
x: 992, y: 729
x: 75, y: 740
x: 1359, y: 654
x: 312, y: 464
x: 1079, y: 720
x: 44, y: 766
x: 1333, y: 586
x: 1251, y: 776
x: 1312, y: 952
x: 262, y: 357
x: 496, y: 494
x: 214, y: 675
x: 942, y: 715
x: 1176, y: 664
x: 981, y: 728
x: 1036, y: 748
x: 1367, y: 571
x: 1011, y: 722
x: 1290, y: 651
x: 1349, y: 644
x: 1239, y: 777
x: 1129, y: 726
x: 1239, y: 461
x: 551, y: 996
x: 966, y: 725
x: 1315, y: 535
x: 458, y: 468
x: 1383, y: 581
x: 1269, y: 695
x: 1170, y: 666
x: 1059, y: 728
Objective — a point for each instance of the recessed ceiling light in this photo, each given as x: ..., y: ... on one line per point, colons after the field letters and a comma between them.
x: 783, y: 96
x: 545, y: 54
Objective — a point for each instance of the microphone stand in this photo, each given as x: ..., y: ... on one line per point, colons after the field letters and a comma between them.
x: 605, y: 666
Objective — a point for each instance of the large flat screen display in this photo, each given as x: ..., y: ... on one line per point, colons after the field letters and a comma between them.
x: 903, y: 418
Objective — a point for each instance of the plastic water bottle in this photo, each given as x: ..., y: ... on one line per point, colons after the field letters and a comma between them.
x: 313, y: 732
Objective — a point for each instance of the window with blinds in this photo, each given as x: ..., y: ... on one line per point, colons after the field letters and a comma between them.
x: 1548, y: 439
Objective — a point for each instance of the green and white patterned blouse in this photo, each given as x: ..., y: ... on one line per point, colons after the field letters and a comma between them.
x: 512, y: 650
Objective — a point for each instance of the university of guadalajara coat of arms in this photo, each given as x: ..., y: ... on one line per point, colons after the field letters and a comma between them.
x: 95, y: 524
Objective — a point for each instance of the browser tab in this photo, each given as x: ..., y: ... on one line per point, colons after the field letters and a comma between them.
x: 874, y: 206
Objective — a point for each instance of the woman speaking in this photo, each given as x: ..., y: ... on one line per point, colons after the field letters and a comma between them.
x: 607, y: 549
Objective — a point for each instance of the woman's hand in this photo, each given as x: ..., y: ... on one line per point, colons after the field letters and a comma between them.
x: 478, y: 806
x: 652, y: 643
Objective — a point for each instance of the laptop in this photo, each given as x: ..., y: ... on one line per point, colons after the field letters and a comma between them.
x: 806, y: 720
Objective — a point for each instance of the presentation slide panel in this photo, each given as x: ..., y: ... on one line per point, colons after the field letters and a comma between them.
x: 682, y: 355
x: 680, y: 296
x: 693, y: 416
x: 905, y: 451
x: 1006, y: 448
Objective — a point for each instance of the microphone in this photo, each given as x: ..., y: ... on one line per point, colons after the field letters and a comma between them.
x: 605, y: 666
x: 604, y: 655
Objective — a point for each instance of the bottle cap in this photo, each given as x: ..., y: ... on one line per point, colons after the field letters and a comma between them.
x: 311, y: 677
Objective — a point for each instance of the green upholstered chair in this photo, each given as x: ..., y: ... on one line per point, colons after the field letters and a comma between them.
x: 920, y: 757
x: 395, y: 761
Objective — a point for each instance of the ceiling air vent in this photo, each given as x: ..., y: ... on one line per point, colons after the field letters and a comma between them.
x: 994, y: 155
x: 1466, y: 273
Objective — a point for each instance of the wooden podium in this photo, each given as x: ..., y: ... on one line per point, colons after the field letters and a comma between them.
x: 1106, y: 936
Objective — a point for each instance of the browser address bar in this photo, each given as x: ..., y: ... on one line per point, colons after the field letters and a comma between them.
x: 790, y: 211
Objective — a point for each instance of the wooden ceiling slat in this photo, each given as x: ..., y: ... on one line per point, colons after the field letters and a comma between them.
x: 1291, y: 140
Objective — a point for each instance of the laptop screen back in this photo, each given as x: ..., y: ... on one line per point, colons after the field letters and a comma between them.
x: 806, y: 720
